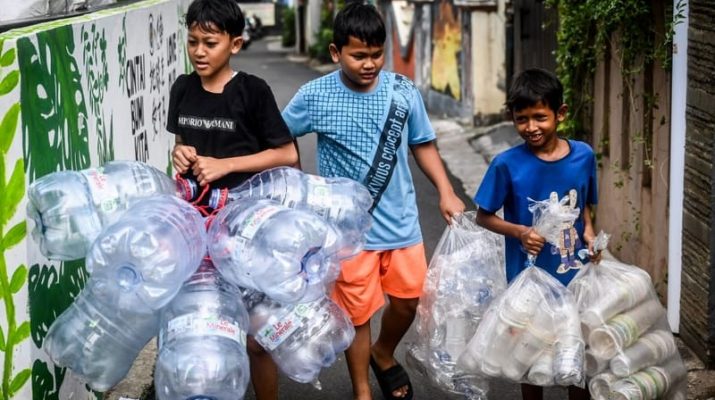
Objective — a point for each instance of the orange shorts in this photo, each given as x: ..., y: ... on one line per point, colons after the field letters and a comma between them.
x: 366, y: 278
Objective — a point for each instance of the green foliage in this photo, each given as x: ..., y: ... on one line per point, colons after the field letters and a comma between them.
x: 12, y: 191
x: 54, y: 109
x: 587, y: 30
x: 288, y: 36
x: 319, y: 50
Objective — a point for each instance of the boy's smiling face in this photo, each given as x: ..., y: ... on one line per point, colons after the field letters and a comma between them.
x: 537, y: 124
x: 360, y: 63
x: 210, y: 51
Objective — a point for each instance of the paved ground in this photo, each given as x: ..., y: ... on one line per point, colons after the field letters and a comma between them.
x: 466, y: 152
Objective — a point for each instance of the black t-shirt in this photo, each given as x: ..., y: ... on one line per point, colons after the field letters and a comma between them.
x: 242, y: 120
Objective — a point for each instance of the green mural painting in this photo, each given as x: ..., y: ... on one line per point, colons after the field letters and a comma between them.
x: 55, y: 137
x: 51, y: 292
x: 94, y: 56
x: 12, y: 191
x: 55, y: 132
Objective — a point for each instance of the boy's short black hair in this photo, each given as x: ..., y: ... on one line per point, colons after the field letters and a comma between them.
x: 534, y: 86
x: 212, y: 15
x: 361, y: 21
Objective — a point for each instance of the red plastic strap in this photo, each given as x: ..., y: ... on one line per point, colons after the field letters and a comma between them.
x: 203, y: 193
x: 223, y: 198
x: 183, y: 183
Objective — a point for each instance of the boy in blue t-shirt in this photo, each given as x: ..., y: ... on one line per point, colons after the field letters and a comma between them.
x: 543, y: 166
x: 367, y: 121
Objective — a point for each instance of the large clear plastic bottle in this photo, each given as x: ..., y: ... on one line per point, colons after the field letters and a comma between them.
x: 136, y: 266
x: 150, y: 251
x: 266, y: 246
x: 70, y: 208
x: 301, y: 338
x: 343, y: 202
x: 97, y: 340
x: 202, y: 344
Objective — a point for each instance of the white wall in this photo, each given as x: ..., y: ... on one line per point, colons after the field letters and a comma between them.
x: 89, y: 90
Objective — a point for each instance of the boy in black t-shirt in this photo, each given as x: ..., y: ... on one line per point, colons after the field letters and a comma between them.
x: 227, y: 126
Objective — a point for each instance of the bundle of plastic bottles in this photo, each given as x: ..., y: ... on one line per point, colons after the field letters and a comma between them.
x: 465, y: 274
x: 631, y: 352
x: 142, y: 242
x: 301, y: 338
x: 531, y: 333
x: 137, y: 266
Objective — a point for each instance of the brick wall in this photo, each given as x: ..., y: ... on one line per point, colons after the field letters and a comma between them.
x: 697, y: 296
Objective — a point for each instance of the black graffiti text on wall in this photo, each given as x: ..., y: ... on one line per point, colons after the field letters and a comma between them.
x: 136, y: 86
x: 136, y: 75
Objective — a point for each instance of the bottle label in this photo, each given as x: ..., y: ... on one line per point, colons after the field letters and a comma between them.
x: 196, y: 324
x: 253, y: 222
x: 272, y: 334
x: 105, y: 197
x: 323, y: 199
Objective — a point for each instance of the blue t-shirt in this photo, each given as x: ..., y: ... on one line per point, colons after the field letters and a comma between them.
x: 517, y: 175
x: 357, y: 140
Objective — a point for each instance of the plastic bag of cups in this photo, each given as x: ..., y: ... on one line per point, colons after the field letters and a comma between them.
x: 71, y: 208
x: 301, y: 338
x: 465, y: 274
x: 631, y: 352
x: 530, y: 334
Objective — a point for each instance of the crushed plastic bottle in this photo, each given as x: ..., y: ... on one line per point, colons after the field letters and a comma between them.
x: 302, y: 338
x: 283, y: 252
x: 70, y: 208
x: 202, y: 344
x: 343, y: 202
x: 97, y: 340
x: 150, y: 251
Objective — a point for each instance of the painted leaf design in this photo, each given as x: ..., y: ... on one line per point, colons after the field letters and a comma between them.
x: 14, y: 235
x: 2, y: 339
x: 55, y: 134
x: 12, y: 196
x: 19, y: 277
x: 19, y: 381
x: 8, y: 126
x: 8, y: 58
x: 51, y: 291
x: 9, y: 82
x: 44, y: 385
x: 22, y: 333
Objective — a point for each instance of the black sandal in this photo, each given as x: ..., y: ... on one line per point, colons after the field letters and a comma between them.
x: 392, y: 379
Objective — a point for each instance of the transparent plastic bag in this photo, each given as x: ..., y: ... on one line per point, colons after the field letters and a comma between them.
x: 466, y: 272
x: 531, y: 333
x: 630, y: 353
x: 554, y: 220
